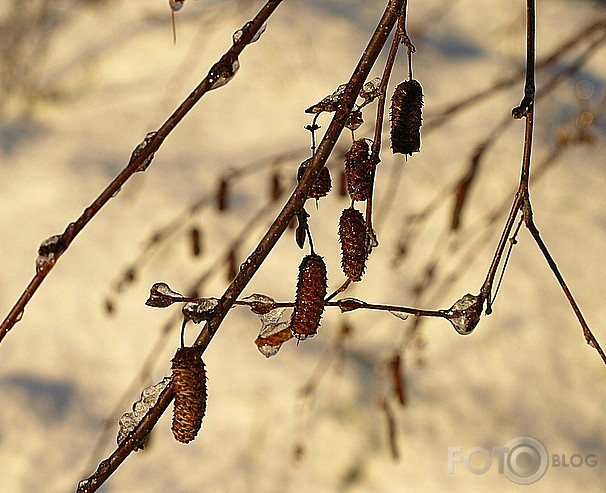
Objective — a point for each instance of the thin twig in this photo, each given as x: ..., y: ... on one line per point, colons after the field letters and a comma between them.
x: 378, y: 133
x: 222, y: 67
x: 437, y: 119
x: 522, y: 201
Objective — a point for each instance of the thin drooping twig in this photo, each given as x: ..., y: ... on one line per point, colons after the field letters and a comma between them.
x: 524, y: 110
x: 522, y: 202
x: 466, y: 181
x: 220, y: 72
x: 589, y: 337
x: 378, y: 133
x: 275, y: 231
x: 437, y: 119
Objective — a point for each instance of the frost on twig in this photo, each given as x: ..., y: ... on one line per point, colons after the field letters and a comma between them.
x: 161, y: 296
x: 140, y: 149
x: 200, y: 311
x: 371, y: 90
x: 49, y: 251
x: 129, y: 421
x: 329, y: 103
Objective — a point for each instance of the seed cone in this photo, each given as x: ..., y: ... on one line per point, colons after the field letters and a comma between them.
x: 406, y: 117
x: 358, y: 170
x: 309, y: 299
x: 189, y: 380
x: 321, y: 186
x: 353, y: 236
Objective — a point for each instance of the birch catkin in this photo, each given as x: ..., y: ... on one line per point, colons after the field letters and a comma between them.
x: 309, y: 299
x: 358, y: 170
x: 353, y: 236
x: 406, y: 117
x: 189, y: 380
x: 321, y: 186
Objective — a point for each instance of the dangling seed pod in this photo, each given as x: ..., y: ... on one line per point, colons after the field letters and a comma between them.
x: 321, y: 186
x: 309, y: 300
x: 406, y: 117
x: 354, y: 243
x: 358, y: 170
x: 189, y: 381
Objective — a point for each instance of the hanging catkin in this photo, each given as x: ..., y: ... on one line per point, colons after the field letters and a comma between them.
x: 189, y: 381
x: 321, y: 185
x: 358, y: 170
x: 353, y: 236
x: 406, y: 117
x: 309, y: 299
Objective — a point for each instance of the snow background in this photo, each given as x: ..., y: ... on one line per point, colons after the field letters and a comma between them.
x: 105, y: 73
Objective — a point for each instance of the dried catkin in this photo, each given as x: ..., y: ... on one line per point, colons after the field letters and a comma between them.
x: 353, y: 236
x: 221, y: 195
x: 195, y: 238
x: 189, y: 381
x: 406, y: 117
x: 321, y: 186
x: 358, y: 170
x: 309, y: 299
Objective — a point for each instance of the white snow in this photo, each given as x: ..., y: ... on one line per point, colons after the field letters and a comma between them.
x: 112, y: 74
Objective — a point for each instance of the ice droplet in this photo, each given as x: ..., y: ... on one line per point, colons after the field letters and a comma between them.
x: 238, y: 34
x: 200, y: 311
x: 272, y: 317
x: 355, y: 120
x: 372, y: 241
x: 149, y: 397
x: 269, y: 351
x: 222, y: 72
x: 465, y: 314
x: 161, y: 296
x: 400, y: 315
x: 260, y: 304
x: 329, y: 103
x: 272, y: 328
x: 49, y: 251
x: 139, y: 150
x: 349, y: 304
x: 370, y: 90
x: 176, y: 5
x: 83, y: 487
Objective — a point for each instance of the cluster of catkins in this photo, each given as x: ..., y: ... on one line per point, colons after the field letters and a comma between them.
x: 354, y: 234
x: 188, y: 372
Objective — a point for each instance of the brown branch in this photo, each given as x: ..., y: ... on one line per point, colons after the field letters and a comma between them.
x: 524, y: 110
x: 589, y: 337
x: 256, y: 258
x: 141, y: 158
x: 522, y: 201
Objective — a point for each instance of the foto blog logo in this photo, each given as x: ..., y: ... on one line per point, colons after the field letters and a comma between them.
x: 523, y: 460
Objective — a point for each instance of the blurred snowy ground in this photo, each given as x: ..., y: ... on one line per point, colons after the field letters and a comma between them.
x: 102, y: 74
